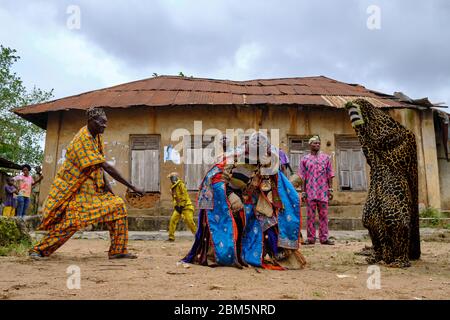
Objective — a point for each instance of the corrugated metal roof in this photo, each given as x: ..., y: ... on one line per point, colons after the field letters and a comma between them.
x: 172, y: 91
x: 5, y: 163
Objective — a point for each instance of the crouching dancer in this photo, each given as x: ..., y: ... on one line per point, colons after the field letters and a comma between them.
x: 81, y: 195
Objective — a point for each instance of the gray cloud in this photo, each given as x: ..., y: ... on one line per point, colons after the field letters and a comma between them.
x: 255, y: 39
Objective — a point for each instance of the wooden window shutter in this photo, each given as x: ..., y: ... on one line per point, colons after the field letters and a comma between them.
x: 138, y: 168
x: 344, y: 169
x: 358, y: 170
x: 195, y: 167
x: 192, y: 168
x: 294, y: 160
x: 207, y: 144
x: 298, y: 148
x: 145, y: 142
x: 145, y: 162
x: 152, y: 173
x: 351, y: 164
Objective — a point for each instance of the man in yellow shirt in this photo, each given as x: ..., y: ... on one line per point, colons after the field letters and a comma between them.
x: 182, y: 206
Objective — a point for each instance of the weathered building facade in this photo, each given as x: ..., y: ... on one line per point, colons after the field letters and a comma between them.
x: 148, y: 116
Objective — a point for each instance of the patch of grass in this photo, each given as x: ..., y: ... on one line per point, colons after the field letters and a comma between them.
x: 345, y: 258
x: 433, y: 215
x: 16, y: 249
x: 12, y: 231
x: 317, y: 294
x: 434, y: 222
x: 430, y: 212
x: 14, y: 237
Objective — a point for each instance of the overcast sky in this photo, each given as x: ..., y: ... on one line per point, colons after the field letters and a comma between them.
x: 121, y: 41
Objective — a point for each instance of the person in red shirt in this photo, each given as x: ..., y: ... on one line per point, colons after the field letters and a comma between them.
x: 317, y: 174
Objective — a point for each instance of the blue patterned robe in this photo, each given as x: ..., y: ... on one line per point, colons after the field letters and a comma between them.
x: 219, y: 228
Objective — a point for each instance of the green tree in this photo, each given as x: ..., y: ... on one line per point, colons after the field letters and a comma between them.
x: 20, y: 140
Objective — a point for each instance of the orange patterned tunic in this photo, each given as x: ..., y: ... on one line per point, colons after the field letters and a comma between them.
x: 77, y: 196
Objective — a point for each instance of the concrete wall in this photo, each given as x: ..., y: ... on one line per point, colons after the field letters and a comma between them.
x: 326, y: 122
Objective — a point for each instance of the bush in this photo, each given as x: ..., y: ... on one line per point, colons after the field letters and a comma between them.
x: 14, y: 235
x: 430, y: 212
x: 16, y: 249
x: 433, y: 217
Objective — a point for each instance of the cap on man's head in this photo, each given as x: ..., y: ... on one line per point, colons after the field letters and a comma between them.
x: 172, y: 174
x: 314, y: 139
x: 95, y: 112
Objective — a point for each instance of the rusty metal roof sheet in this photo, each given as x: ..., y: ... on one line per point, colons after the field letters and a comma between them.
x: 173, y: 90
x: 5, y: 163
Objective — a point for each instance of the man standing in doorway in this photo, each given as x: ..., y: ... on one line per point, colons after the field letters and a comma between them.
x: 317, y: 174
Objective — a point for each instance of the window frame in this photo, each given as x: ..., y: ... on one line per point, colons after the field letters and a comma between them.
x: 341, y: 145
x: 305, y: 139
x: 130, y: 158
x: 192, y: 142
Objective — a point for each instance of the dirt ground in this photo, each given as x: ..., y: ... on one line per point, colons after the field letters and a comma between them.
x: 333, y: 272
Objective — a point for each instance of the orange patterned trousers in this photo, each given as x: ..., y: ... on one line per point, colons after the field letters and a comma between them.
x: 118, y: 232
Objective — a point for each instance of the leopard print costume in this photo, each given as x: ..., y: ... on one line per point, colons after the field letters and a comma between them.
x: 391, y: 211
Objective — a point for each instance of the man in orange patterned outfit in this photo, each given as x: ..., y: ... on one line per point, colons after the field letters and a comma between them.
x: 81, y: 195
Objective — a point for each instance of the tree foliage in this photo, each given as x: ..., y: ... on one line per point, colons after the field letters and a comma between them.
x: 20, y: 140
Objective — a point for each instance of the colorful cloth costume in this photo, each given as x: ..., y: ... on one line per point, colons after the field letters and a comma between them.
x: 77, y: 198
x: 228, y: 238
x: 182, y: 201
x: 315, y: 170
